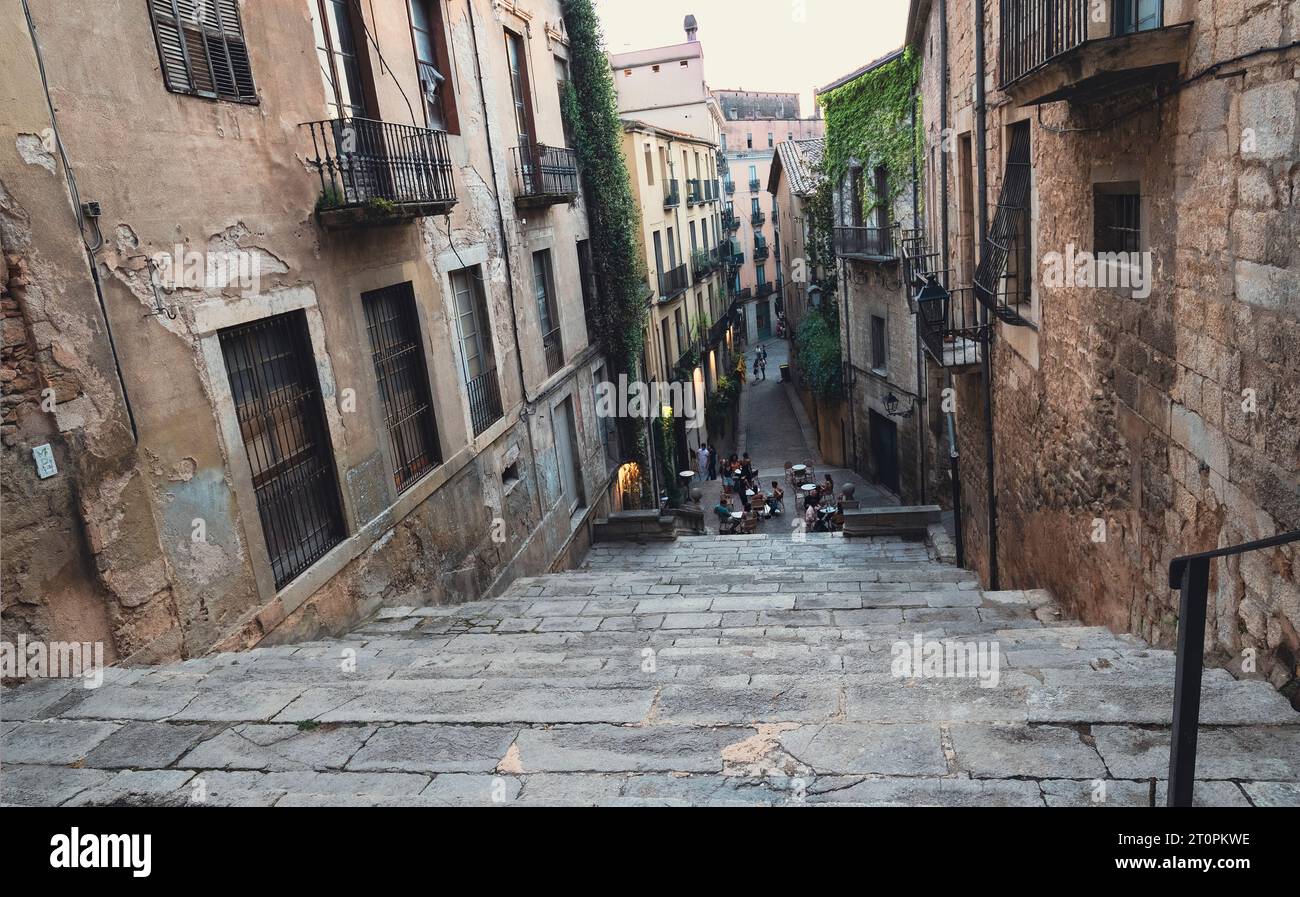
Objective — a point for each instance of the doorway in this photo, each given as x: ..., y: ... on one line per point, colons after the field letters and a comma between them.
x: 884, y: 450
x: 566, y: 450
x: 764, y: 312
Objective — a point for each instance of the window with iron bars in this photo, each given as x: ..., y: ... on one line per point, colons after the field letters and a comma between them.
x: 1117, y: 218
x: 272, y: 372
x: 398, y: 355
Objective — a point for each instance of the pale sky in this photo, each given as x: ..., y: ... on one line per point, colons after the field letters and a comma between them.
x: 776, y: 45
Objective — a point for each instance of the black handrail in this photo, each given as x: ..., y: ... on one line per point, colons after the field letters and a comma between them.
x: 1190, y: 574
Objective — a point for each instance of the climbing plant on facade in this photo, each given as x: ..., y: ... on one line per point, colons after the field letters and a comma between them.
x: 591, y: 108
x: 817, y: 348
x: 869, y: 121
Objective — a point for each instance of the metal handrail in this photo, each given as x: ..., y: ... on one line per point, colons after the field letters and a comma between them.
x: 1190, y: 574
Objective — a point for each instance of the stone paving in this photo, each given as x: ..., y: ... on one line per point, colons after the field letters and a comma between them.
x: 713, y: 670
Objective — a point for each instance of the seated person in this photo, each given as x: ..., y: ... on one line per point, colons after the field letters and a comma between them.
x: 775, y: 501
x: 828, y: 487
x: 726, y: 523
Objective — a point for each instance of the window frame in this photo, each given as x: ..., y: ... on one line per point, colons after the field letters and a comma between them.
x: 442, y: 64
x: 411, y: 430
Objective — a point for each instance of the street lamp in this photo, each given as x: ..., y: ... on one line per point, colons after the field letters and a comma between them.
x: 815, y: 296
x: 891, y: 406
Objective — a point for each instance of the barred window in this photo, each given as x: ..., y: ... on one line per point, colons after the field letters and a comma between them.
x: 273, y: 381
x: 201, y: 48
x: 1117, y: 217
x: 398, y: 356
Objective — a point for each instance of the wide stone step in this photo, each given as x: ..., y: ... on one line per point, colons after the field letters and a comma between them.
x: 712, y: 670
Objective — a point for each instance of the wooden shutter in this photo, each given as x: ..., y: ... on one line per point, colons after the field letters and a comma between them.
x: 202, y: 50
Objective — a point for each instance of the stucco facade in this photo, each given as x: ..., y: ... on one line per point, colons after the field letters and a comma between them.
x: 150, y: 537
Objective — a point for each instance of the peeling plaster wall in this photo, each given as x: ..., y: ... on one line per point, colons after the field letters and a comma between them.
x: 176, y: 173
x: 1129, y: 410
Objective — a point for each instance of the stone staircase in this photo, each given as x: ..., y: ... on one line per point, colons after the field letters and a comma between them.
x: 708, y: 670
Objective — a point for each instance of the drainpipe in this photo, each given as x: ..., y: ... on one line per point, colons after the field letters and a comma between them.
x: 922, y: 420
x: 954, y: 460
x: 981, y: 155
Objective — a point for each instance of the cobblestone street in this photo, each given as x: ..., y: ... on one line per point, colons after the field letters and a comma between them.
x: 711, y: 670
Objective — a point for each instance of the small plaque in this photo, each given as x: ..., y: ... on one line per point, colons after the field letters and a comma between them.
x: 45, y: 466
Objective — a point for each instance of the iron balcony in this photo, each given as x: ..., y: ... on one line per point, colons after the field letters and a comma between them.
x: 544, y: 175
x: 867, y: 243
x: 674, y: 282
x: 694, y: 192
x: 672, y: 194
x: 376, y: 172
x: 1051, y: 50
x: 757, y: 218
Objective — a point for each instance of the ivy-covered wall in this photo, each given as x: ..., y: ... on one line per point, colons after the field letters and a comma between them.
x: 868, y: 121
x: 591, y: 107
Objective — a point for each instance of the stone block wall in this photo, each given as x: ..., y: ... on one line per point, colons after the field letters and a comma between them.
x: 1130, y: 430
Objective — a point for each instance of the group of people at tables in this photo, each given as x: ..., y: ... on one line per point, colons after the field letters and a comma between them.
x: 740, y: 480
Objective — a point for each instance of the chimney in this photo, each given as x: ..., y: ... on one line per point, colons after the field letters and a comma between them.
x: 692, y: 29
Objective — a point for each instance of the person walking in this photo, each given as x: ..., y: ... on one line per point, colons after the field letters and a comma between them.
x: 713, y: 462
x: 702, y: 460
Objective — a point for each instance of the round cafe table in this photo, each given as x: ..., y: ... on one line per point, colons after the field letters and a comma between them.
x: 737, y: 515
x: 799, y: 468
x: 749, y: 493
x: 808, y: 487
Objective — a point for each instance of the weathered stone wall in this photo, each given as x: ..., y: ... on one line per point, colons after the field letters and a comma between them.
x: 1121, y: 435
x: 106, y: 549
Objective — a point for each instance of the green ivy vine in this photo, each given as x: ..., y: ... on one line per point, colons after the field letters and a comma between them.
x: 869, y: 120
x: 817, y: 348
x: 591, y: 108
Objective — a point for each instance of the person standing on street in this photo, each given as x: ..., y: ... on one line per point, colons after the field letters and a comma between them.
x: 702, y: 459
x: 713, y: 462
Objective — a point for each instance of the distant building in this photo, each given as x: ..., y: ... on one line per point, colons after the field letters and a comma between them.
x: 753, y: 124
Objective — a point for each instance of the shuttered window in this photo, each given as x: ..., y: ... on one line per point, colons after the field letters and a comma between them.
x: 202, y: 50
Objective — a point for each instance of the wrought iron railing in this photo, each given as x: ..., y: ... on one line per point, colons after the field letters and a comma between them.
x: 1190, y: 574
x: 757, y: 218
x: 753, y: 185
x: 360, y: 160
x: 554, y: 349
x: 484, y: 400
x: 672, y: 194
x: 870, y: 242
x: 767, y: 288
x: 673, y: 282
x: 760, y: 249
x: 702, y: 263
x: 694, y: 191
x: 730, y: 222
x: 1034, y: 32
x: 545, y: 172
x: 730, y: 187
